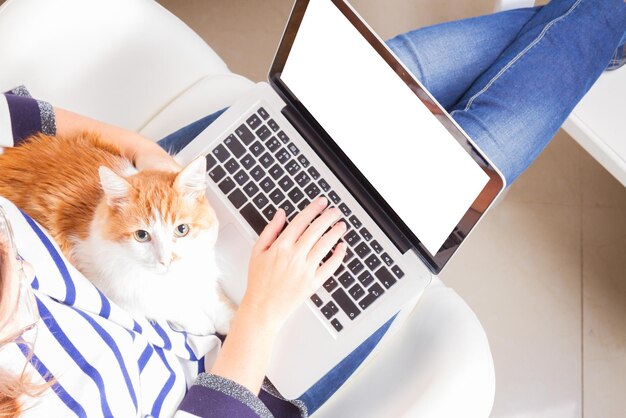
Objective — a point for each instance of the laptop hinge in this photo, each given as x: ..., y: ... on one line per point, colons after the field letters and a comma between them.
x: 315, y: 141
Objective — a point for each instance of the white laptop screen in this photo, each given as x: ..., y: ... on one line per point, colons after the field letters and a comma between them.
x: 415, y: 164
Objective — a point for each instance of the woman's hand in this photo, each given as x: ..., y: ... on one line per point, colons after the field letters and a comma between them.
x: 285, y: 270
x: 147, y: 155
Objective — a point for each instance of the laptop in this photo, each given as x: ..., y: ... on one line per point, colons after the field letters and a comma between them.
x: 341, y: 117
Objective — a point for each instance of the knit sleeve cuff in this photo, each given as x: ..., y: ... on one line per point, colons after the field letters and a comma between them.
x: 215, y: 396
x: 28, y: 116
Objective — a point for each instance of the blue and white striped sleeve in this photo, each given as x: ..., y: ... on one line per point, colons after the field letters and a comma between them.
x: 22, y: 116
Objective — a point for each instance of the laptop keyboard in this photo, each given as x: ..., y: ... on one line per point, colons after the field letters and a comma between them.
x: 260, y: 170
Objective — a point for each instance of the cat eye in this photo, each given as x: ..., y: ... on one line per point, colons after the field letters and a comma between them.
x: 141, y: 235
x: 181, y: 230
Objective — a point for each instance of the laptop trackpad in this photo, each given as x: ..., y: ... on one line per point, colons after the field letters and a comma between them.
x: 233, y: 255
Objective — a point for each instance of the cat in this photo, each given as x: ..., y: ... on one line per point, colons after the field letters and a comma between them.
x: 145, y: 238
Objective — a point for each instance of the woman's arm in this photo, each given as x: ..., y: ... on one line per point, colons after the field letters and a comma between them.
x: 284, y: 271
x: 144, y: 153
x: 22, y: 116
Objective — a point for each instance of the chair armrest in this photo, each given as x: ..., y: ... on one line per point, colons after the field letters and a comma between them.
x: 437, y: 364
x: 207, y: 96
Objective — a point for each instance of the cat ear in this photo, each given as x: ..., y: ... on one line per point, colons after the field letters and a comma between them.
x: 192, y: 179
x: 115, y: 188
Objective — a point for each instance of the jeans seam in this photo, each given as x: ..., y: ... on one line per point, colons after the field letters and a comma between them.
x: 521, y: 54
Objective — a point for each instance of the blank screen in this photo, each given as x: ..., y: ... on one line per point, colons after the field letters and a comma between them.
x: 415, y: 164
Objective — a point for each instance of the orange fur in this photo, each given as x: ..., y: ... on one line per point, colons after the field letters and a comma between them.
x: 55, y: 180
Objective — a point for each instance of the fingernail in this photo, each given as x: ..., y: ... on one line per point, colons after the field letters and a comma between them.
x: 323, y: 201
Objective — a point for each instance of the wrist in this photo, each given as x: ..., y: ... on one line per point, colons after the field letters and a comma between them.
x: 260, y: 315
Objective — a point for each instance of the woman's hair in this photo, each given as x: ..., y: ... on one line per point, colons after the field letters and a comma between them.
x: 13, y: 387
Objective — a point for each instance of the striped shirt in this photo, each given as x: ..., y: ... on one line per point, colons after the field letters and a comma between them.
x: 103, y: 362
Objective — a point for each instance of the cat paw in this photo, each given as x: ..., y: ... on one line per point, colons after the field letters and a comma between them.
x: 196, y: 324
x: 223, y: 317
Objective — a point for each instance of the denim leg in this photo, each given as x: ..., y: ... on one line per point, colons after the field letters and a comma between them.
x: 515, y: 108
x: 176, y: 141
x: 334, y: 379
x: 448, y: 58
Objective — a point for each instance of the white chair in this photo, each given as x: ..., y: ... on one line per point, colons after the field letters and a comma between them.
x: 596, y: 122
x: 133, y: 64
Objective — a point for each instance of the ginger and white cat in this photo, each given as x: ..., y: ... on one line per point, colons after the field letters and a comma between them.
x: 145, y: 239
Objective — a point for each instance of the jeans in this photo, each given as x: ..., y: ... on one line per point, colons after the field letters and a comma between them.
x: 509, y: 80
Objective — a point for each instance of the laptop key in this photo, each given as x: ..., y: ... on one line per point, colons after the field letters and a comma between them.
x: 227, y: 185
x: 362, y: 250
x: 234, y: 146
x: 210, y: 162
x: 276, y: 171
x: 266, y: 160
x: 355, y: 266
x: 312, y: 191
x: 314, y: 173
x: 260, y: 201
x: 254, y: 121
x: 256, y: 148
x: 251, y: 189
x: 263, y: 113
x: 237, y: 198
x: 273, y: 125
x: 269, y: 212
x: 263, y: 133
x: 317, y: 301
x: 374, y: 293
x: 330, y: 285
x: 244, y: 134
x: 295, y: 195
x: 385, y: 277
x: 273, y: 144
x: 241, y: 177
x: 303, y: 204
x: 398, y: 272
x: 348, y: 256
x: 286, y: 183
x: 305, y: 163
x: 355, y: 222
x: 277, y: 196
x: 366, y: 234
x: 345, y: 209
x: 387, y: 259
x: 356, y: 292
x: 283, y: 137
x: 366, y: 278
x: 293, y: 167
x: 372, y: 262
x: 345, y: 303
x: 302, y: 179
x: 336, y: 324
x: 257, y: 173
x: 221, y: 153
x: 231, y: 165
x: 329, y: 310
x: 346, y: 279
x: 267, y: 184
x: 217, y: 173
x: 247, y: 161
x: 352, y: 238
x: 254, y: 218
x: 288, y: 207
x: 377, y: 247
x: 324, y: 185
x: 293, y: 149
x: 334, y: 197
x: 282, y: 156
